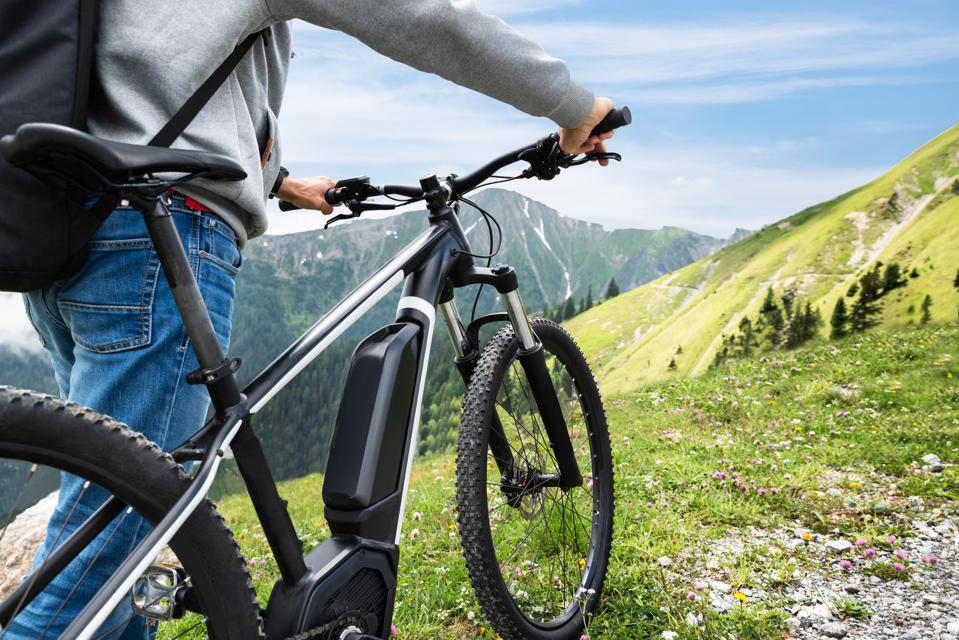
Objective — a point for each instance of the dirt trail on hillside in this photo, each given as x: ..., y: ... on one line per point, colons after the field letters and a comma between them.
x: 736, y: 317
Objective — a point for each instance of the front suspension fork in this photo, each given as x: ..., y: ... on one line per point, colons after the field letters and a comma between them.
x: 532, y: 358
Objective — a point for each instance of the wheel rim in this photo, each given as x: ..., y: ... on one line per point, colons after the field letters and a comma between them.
x: 543, y: 538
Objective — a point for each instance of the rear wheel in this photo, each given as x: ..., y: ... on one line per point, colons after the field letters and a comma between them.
x: 537, y: 555
x: 40, y: 436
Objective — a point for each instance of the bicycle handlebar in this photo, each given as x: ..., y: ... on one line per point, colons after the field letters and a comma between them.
x: 344, y: 191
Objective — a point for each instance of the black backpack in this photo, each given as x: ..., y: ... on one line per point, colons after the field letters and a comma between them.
x: 46, y: 62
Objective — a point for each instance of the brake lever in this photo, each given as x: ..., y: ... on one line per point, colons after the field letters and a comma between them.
x: 357, y: 207
x: 575, y: 161
x: 342, y: 216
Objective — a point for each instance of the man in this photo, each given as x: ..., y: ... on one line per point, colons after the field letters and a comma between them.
x: 112, y: 330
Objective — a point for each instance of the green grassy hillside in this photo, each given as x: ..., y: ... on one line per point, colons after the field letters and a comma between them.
x: 911, y: 214
x: 826, y: 441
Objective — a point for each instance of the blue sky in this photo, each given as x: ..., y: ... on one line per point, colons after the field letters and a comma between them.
x: 745, y: 112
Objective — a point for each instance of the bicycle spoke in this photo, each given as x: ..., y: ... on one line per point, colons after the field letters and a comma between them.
x: 63, y: 527
x: 13, y: 505
x: 89, y: 566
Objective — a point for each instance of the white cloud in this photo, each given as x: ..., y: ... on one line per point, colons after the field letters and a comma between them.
x: 522, y: 7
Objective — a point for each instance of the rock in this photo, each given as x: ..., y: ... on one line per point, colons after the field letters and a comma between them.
x: 20, y: 542
x: 839, y: 546
x: 720, y: 604
x: 879, y: 506
x: 931, y: 459
x: 834, y: 493
x: 670, y: 635
x: 833, y: 630
x: 953, y: 627
x: 852, y: 589
x: 721, y: 587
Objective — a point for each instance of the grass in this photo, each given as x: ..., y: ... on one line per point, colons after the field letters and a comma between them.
x: 632, y: 338
x: 854, y: 416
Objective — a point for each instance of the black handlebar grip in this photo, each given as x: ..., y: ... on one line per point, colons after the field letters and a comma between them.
x: 614, y: 120
x: 288, y: 206
x: 334, y: 196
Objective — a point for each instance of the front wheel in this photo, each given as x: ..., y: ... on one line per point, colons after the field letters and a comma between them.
x: 537, y: 555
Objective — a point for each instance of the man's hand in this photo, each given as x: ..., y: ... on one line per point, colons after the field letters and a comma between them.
x: 307, y: 193
x: 578, y: 140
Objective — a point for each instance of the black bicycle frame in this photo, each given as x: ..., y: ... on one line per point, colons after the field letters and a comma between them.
x: 375, y: 433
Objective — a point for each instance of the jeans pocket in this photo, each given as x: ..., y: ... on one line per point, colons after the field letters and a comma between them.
x: 108, y: 305
x: 219, y: 262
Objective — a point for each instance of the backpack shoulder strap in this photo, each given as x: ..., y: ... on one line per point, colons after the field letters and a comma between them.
x: 84, y: 225
x: 192, y: 107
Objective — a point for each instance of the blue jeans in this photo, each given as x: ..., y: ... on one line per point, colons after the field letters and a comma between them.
x: 118, y: 346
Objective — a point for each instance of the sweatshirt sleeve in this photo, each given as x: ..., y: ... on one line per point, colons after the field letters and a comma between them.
x: 455, y: 40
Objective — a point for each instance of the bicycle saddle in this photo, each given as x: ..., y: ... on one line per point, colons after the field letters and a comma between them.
x: 42, y: 146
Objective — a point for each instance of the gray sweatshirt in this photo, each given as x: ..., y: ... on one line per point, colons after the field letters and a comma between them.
x: 151, y: 57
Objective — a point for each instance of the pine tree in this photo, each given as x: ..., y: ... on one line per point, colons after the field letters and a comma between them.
x: 679, y: 350
x: 769, y: 302
x: 839, y: 319
x: 853, y: 290
x: 892, y: 278
x: 672, y: 364
x: 788, y: 297
x: 569, y: 309
x: 589, y: 298
x: 612, y: 290
x: 914, y: 273
x: 546, y: 310
x: 746, y: 338
x: 863, y: 314
x: 926, y: 306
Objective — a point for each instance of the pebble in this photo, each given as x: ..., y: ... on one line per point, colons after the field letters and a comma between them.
x: 834, y: 493
x: 839, y: 545
x: 722, y: 587
x: 953, y: 627
x: 833, y: 630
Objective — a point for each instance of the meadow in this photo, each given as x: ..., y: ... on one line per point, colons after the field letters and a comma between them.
x: 737, y: 493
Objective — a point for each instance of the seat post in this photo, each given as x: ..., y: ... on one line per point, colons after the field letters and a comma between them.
x: 224, y: 392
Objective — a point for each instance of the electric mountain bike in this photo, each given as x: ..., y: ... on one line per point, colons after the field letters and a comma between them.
x: 534, y: 484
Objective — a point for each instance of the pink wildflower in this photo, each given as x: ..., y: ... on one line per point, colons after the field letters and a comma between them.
x: 692, y: 596
x: 933, y: 560
x: 862, y: 542
x: 901, y: 554
x: 699, y: 585
x: 773, y: 490
x: 393, y: 631
x: 869, y: 552
x: 890, y: 539
x: 898, y: 566
x: 762, y: 493
x: 845, y: 565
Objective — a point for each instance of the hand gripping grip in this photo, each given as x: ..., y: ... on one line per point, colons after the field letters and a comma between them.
x: 614, y: 120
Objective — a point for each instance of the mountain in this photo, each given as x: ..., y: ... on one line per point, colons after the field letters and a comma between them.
x: 675, y: 326
x: 289, y: 281
x: 556, y: 257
